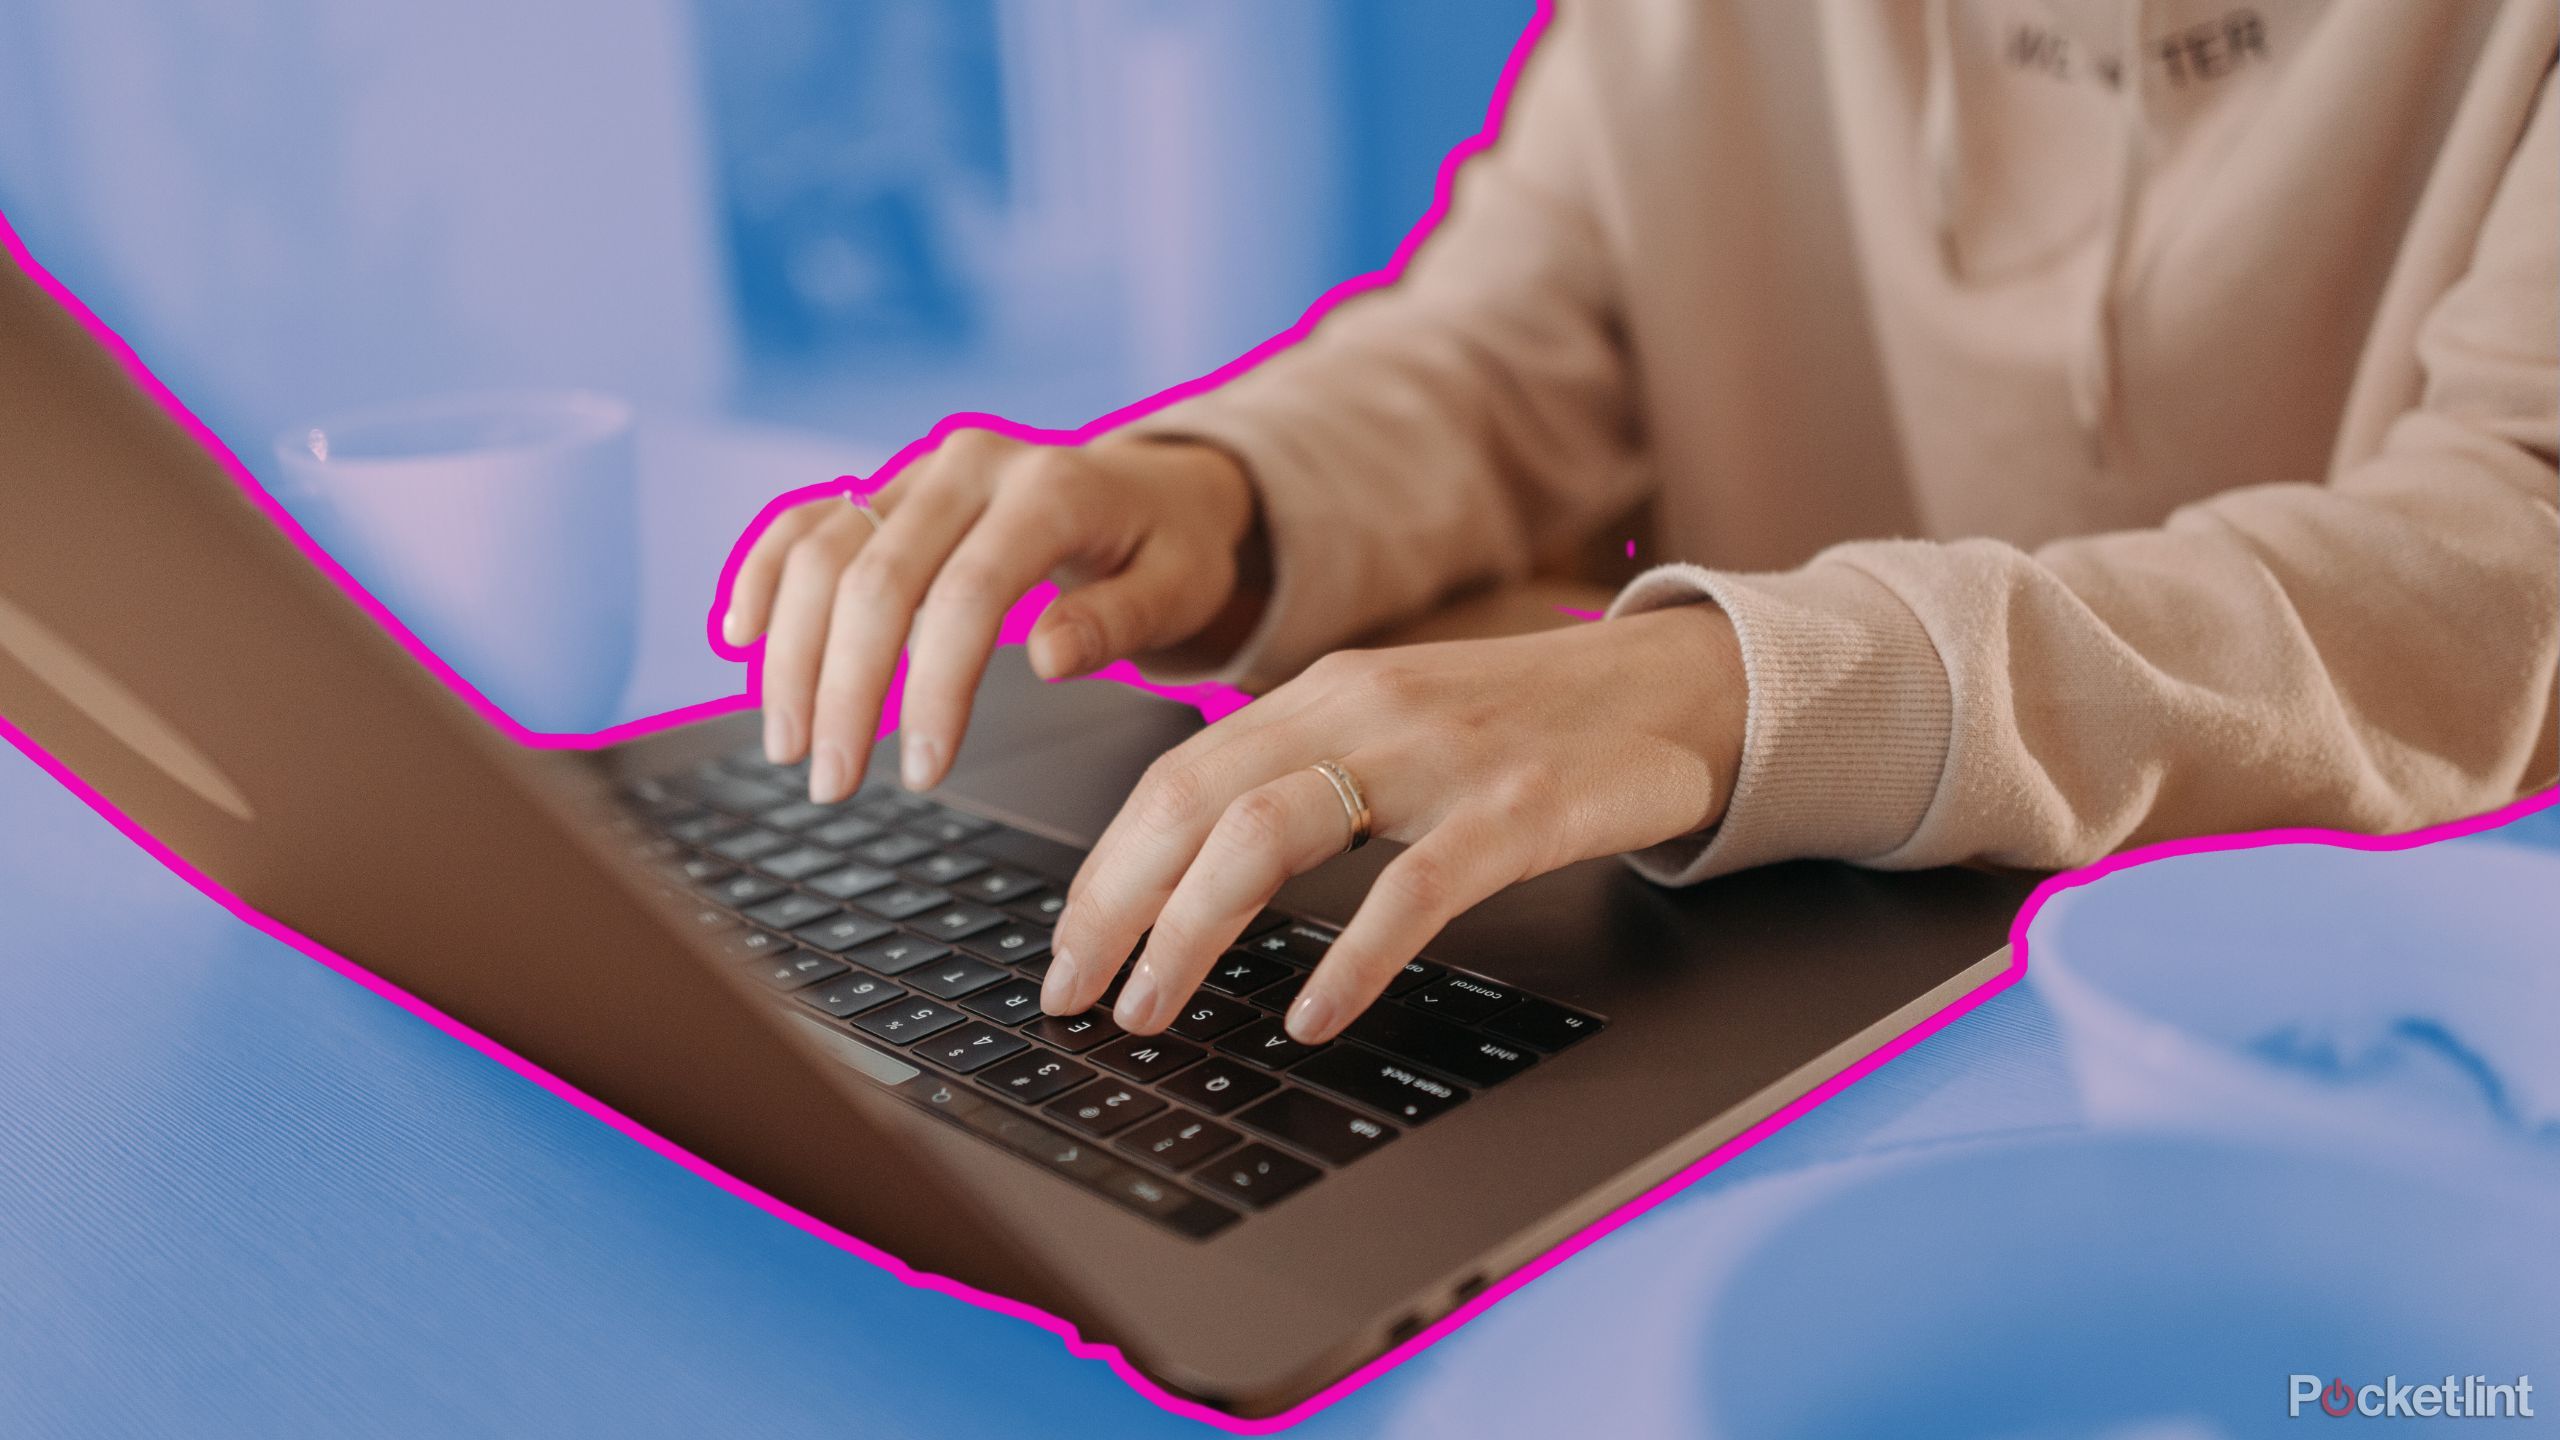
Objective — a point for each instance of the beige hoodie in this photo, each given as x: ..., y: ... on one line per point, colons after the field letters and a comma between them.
x: 2173, y: 385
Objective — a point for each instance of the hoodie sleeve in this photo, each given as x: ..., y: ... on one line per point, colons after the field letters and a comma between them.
x: 2372, y: 653
x: 1430, y: 432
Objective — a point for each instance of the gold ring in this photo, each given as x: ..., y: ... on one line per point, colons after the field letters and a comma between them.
x: 1355, y: 805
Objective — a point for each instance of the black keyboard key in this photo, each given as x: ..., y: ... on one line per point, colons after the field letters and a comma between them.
x: 703, y: 829
x: 851, y: 882
x: 748, y: 844
x: 1010, y: 944
x: 1037, y: 967
x: 957, y: 922
x: 1381, y: 1082
x: 1164, y: 1201
x: 889, y: 807
x: 1103, y: 1107
x: 709, y: 918
x: 794, y: 969
x: 946, y: 867
x: 894, y: 849
x: 1414, y: 975
x: 1267, y: 920
x: 849, y: 995
x: 1438, y: 1045
x: 935, y: 1093
x: 1542, y: 1024
x: 909, y: 1020
x: 1145, y: 1058
x: 1074, y: 1033
x: 1300, y: 942
x: 1241, y: 973
x: 904, y: 900
x: 1081, y: 1161
x: 1177, y: 1140
x: 841, y: 931
x: 741, y: 890
x: 949, y: 827
x: 1049, y: 1146
x: 752, y: 945
x: 789, y: 911
x: 958, y: 975
x: 1311, y: 1123
x: 703, y: 870
x: 735, y: 793
x: 1219, y: 1085
x: 1035, y: 1075
x: 1278, y: 998
x: 797, y: 815
x: 846, y: 831
x: 1462, y: 998
x: 1008, y: 1004
x: 897, y: 954
x: 999, y: 887
x: 1205, y: 1017
x: 1257, y: 1176
x: 1265, y: 1044
x: 972, y: 1047
x: 799, y: 862
x: 1042, y: 909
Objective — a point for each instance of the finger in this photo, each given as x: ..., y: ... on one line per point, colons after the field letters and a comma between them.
x: 1131, y: 871
x: 873, y: 604
x: 1447, y: 871
x: 797, y: 627
x: 1029, y: 527
x: 1272, y: 832
x: 1161, y: 597
x: 751, y: 593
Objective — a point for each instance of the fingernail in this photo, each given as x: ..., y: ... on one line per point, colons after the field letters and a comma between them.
x: 919, y: 763
x: 779, y: 740
x: 829, y: 774
x: 1138, y: 1000
x: 729, y: 628
x: 1311, y: 1019
x: 1058, y: 990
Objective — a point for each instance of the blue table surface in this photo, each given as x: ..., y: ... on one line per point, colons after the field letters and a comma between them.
x: 239, y: 1195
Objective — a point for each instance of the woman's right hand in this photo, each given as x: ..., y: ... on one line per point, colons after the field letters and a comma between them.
x: 1144, y: 537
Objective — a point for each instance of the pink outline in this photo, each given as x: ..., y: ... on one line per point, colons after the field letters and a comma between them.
x: 1213, y: 701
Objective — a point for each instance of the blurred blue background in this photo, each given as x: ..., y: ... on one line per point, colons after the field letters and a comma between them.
x: 852, y: 217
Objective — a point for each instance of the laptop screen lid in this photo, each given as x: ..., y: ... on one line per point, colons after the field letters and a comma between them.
x: 163, y: 640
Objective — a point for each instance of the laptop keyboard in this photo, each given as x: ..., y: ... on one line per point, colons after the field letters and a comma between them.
x: 924, y: 931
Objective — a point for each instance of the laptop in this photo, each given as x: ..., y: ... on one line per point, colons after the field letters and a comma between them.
x: 837, y: 1004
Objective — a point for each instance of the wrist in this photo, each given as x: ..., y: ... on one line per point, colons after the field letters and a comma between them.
x: 1696, y: 697
x: 1210, y: 506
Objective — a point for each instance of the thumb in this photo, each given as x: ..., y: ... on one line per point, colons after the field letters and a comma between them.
x: 1163, y: 596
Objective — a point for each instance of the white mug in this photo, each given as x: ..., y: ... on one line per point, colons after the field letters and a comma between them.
x: 501, y: 528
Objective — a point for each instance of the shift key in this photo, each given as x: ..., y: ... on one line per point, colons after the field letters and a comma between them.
x: 1438, y: 1045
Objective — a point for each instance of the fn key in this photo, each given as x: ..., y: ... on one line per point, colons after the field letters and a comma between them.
x: 1256, y: 1175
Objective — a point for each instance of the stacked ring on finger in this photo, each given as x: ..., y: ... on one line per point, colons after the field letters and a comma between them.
x: 1355, y: 803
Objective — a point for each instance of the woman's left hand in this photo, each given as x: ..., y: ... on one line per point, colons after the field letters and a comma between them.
x: 1492, y: 760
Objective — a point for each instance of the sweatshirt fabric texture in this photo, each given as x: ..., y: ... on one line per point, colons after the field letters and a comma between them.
x: 2103, y: 421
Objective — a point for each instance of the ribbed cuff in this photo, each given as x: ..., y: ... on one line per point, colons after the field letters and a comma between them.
x: 1849, y: 721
